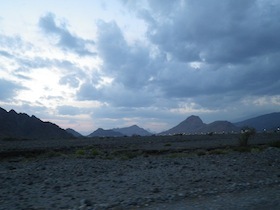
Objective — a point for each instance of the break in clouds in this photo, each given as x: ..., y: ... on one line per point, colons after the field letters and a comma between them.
x: 194, y: 57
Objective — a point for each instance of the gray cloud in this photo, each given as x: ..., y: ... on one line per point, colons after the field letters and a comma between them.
x: 215, y: 54
x: 8, y: 89
x: 228, y: 31
x: 227, y: 40
x: 5, y: 54
x: 12, y: 42
x: 219, y: 56
x: 67, y: 41
x: 70, y: 80
x: 130, y: 65
x: 87, y: 91
x: 235, y: 41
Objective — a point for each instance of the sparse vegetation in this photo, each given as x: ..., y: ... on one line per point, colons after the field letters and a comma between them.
x: 218, y: 152
x: 246, y: 133
x: 275, y: 144
x: 80, y: 152
x: 201, y: 152
x: 129, y: 155
x: 94, y: 152
x: 53, y: 153
x: 242, y: 149
x: 179, y: 155
x: 256, y: 149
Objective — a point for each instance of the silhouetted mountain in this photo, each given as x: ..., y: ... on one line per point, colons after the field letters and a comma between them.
x: 133, y: 130
x: 219, y: 127
x: 105, y: 133
x: 22, y: 126
x: 74, y: 133
x: 268, y: 121
x: 194, y: 124
x: 190, y: 125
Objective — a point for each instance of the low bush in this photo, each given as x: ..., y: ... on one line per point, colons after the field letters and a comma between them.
x: 218, y: 152
x: 94, y: 152
x: 201, y: 152
x: 245, y: 135
x: 242, y: 149
x: 275, y: 144
x: 80, y: 152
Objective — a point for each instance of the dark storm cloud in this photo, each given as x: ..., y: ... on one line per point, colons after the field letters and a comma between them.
x: 212, y: 53
x: 129, y: 64
x: 227, y: 31
x: 235, y: 41
x: 8, y: 89
x: 67, y: 41
x: 116, y: 95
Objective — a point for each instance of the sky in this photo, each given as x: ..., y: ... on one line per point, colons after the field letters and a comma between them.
x: 92, y: 64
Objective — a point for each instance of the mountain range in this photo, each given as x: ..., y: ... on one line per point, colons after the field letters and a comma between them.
x: 194, y: 125
x: 132, y: 130
x: 267, y: 122
x: 22, y: 126
x: 116, y: 132
x: 73, y: 132
x: 100, y: 132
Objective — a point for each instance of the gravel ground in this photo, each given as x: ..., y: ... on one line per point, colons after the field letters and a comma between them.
x: 235, y: 180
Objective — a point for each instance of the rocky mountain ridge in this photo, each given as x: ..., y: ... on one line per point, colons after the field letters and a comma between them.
x: 22, y: 126
x: 100, y: 132
x: 267, y: 122
x: 194, y: 125
x: 73, y: 132
x: 133, y: 130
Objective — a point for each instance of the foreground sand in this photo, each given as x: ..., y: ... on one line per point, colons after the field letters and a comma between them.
x: 169, y: 178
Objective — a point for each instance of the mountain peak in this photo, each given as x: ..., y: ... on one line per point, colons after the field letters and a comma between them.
x: 73, y: 132
x: 189, y: 125
x: 20, y: 126
x: 194, y: 119
x: 134, y: 126
x: 12, y: 111
x: 105, y: 133
x: 133, y: 130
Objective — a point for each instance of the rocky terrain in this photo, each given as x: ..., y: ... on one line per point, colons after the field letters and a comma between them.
x: 138, y: 173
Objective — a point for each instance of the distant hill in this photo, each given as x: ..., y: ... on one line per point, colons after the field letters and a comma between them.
x: 190, y: 125
x: 133, y: 130
x: 22, y: 126
x: 194, y: 124
x: 219, y: 127
x: 74, y: 133
x: 268, y: 121
x: 105, y: 133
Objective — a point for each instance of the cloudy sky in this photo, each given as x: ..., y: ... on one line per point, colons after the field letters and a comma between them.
x: 107, y: 63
